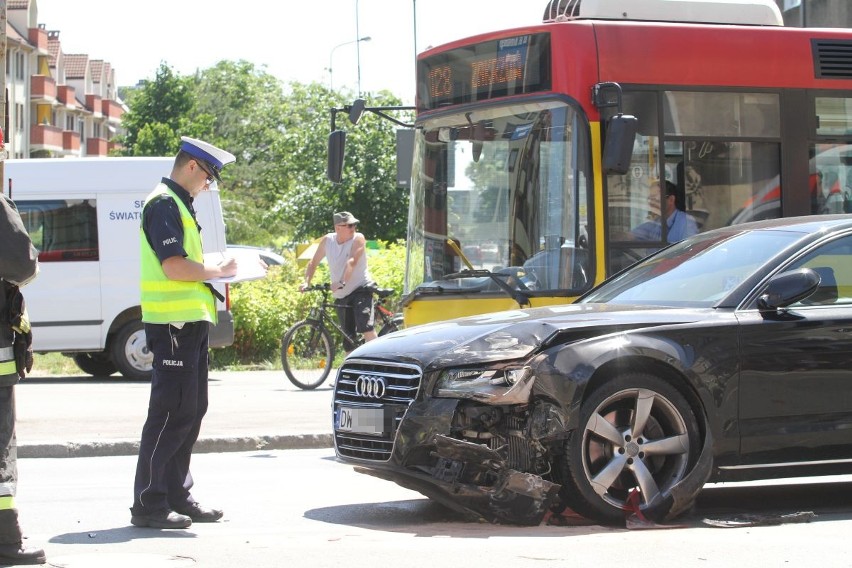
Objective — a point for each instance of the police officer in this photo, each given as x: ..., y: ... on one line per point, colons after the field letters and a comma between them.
x: 18, y: 265
x: 177, y: 308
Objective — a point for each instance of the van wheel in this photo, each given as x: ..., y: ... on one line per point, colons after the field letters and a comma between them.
x: 130, y: 352
x: 95, y: 363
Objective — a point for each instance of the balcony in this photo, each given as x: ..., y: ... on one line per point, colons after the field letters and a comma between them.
x: 45, y: 137
x: 93, y: 104
x: 65, y: 94
x: 42, y: 88
x: 112, y: 110
x: 97, y: 147
x: 71, y: 142
x: 38, y: 38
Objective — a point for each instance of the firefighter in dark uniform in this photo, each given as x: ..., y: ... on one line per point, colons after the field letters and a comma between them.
x: 18, y: 266
x: 177, y: 308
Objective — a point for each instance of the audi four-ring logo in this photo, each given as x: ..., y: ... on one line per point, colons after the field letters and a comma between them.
x: 370, y: 387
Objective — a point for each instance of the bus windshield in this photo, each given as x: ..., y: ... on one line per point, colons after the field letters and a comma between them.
x: 509, y: 186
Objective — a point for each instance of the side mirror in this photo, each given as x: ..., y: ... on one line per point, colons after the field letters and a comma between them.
x: 476, y: 150
x: 788, y: 288
x: 618, y: 147
x: 336, y: 150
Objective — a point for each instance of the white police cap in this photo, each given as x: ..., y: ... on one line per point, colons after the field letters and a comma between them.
x: 215, y: 157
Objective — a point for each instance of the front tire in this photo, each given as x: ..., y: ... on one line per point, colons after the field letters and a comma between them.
x: 637, y: 434
x: 307, y: 354
x: 130, y: 352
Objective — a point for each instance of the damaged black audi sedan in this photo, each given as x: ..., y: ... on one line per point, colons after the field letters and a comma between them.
x: 725, y: 357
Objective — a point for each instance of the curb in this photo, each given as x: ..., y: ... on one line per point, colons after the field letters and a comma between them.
x: 202, y: 446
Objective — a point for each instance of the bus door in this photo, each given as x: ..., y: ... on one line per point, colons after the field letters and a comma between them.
x: 830, y: 153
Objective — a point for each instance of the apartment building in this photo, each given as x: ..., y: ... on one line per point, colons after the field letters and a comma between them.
x: 58, y: 104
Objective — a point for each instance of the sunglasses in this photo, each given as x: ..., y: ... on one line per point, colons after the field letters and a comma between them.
x: 210, y: 179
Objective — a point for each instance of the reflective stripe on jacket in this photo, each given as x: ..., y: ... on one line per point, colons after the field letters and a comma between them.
x: 165, y: 300
x: 8, y: 370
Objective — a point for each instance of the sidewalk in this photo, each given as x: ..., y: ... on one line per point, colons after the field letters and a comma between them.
x: 249, y: 410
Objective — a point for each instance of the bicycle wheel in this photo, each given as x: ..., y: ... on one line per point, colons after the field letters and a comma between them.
x: 306, y: 355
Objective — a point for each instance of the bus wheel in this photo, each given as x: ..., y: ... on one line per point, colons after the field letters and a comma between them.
x: 96, y: 363
x: 130, y: 352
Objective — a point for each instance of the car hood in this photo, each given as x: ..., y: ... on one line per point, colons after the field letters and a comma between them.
x: 515, y: 334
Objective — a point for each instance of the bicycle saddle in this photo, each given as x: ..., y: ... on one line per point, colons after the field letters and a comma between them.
x: 384, y: 292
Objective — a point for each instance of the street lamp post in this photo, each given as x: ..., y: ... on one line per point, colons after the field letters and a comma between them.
x: 331, y: 57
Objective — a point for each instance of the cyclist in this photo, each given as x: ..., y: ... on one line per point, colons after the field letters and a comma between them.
x: 345, y: 251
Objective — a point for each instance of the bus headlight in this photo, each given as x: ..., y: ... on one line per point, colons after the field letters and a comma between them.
x: 510, y: 385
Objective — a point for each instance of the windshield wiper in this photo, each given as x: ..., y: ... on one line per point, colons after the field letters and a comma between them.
x: 522, y: 297
x: 438, y: 289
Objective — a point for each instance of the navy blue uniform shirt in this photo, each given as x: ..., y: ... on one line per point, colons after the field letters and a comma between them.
x: 162, y: 225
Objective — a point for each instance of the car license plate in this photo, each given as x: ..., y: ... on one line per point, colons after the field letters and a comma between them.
x: 362, y: 420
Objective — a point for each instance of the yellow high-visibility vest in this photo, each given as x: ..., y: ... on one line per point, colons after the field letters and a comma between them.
x: 165, y: 300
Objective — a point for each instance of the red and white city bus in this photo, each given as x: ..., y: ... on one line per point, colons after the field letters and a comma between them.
x: 517, y: 159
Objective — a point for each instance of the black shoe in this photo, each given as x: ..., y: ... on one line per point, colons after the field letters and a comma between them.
x: 200, y: 514
x: 161, y: 520
x: 14, y: 554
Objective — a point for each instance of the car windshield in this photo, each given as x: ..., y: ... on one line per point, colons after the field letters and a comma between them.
x: 697, y: 272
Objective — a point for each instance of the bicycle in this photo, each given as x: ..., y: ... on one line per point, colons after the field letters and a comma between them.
x: 307, y: 348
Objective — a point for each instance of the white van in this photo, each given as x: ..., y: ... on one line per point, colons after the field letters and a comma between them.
x: 83, y: 216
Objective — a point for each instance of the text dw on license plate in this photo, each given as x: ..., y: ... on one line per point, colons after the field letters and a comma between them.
x: 362, y: 420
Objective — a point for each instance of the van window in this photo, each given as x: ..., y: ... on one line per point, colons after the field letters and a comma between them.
x: 62, y: 230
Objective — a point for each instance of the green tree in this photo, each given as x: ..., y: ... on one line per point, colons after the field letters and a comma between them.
x: 159, y: 113
x: 249, y: 117
x: 277, y: 192
x: 368, y: 188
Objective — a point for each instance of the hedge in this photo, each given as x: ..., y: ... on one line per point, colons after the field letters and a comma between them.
x: 264, y: 309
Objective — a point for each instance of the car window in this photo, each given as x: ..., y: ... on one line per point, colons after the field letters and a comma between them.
x: 62, y: 230
x: 833, y: 263
x: 698, y: 272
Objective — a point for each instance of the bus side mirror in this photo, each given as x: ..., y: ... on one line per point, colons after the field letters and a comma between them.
x: 618, y: 147
x: 336, y: 148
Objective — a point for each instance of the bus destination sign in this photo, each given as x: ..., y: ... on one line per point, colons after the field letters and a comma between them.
x: 497, y: 68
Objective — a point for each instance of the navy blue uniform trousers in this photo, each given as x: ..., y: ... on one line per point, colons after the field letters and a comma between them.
x: 177, y: 405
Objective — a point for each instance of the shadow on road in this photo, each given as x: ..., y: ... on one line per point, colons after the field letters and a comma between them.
x: 726, y: 506
x: 82, y: 379
x: 420, y: 517
x: 828, y: 500
x: 117, y: 535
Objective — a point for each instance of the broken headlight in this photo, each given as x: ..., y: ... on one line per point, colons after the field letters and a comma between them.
x: 499, y: 386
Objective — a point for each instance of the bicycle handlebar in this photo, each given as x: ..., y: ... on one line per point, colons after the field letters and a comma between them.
x: 317, y: 288
x: 382, y: 293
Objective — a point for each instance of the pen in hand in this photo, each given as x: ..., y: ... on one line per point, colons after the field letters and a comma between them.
x: 227, y: 267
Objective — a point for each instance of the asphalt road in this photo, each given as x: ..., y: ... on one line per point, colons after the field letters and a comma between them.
x: 302, y: 508
x: 84, y: 417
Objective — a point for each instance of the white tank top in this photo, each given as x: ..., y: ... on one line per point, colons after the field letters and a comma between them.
x: 337, y: 255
